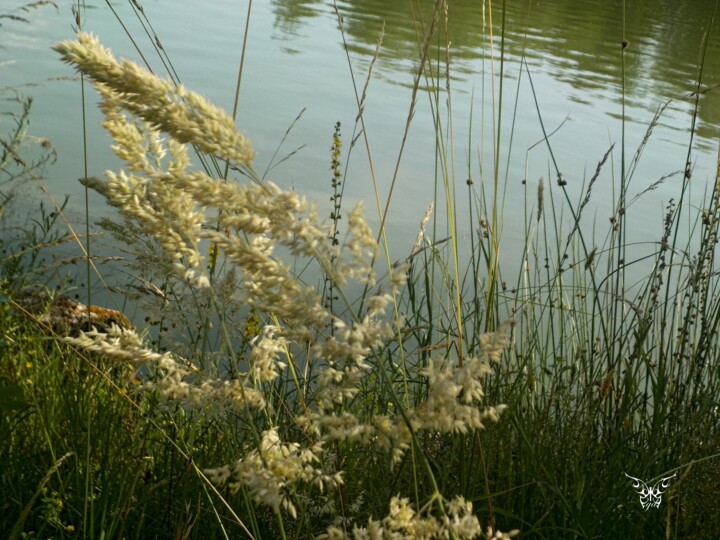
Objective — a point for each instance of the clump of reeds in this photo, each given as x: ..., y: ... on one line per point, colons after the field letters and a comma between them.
x: 307, y: 386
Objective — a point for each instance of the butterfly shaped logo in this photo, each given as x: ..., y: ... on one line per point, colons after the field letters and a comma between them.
x: 650, y: 497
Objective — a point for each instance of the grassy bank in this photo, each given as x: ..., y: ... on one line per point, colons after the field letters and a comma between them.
x: 449, y: 399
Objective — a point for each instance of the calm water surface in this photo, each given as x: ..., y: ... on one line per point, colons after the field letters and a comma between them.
x: 571, y: 50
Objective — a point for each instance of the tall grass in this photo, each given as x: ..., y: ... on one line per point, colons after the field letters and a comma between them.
x: 258, y: 406
x: 604, y: 375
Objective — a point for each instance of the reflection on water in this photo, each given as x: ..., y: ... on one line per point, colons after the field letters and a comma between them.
x: 295, y: 61
x: 576, y: 42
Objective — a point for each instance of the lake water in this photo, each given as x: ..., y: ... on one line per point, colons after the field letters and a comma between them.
x: 295, y: 61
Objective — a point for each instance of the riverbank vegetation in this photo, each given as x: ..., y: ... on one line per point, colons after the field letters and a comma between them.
x: 292, y: 379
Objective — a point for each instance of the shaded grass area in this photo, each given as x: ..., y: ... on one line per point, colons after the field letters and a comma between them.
x: 81, y: 454
x: 80, y: 457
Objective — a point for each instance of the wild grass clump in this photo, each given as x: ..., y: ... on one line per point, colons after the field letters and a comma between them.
x: 312, y: 395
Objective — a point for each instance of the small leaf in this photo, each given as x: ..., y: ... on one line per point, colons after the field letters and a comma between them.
x: 12, y: 397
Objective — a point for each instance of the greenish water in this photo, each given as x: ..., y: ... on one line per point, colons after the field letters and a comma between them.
x: 295, y: 61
